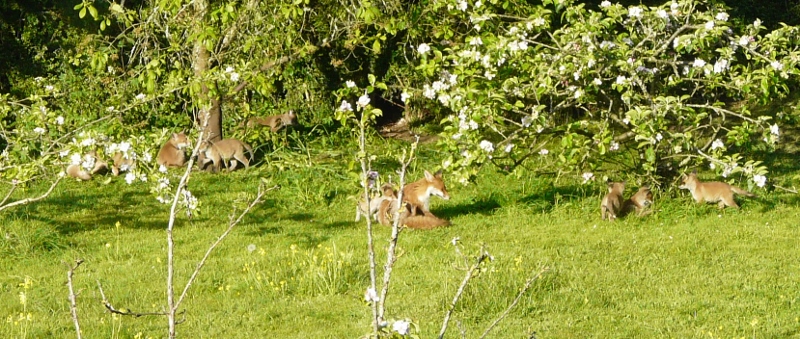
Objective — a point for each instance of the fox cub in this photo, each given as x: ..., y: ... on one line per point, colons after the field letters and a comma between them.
x: 611, y: 204
x: 638, y: 202
x: 77, y: 171
x: 172, y: 153
x: 713, y: 191
x: 275, y: 122
x: 378, y: 206
x: 224, y: 152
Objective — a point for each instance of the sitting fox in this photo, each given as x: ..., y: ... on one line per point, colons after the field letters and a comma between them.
x: 378, y: 206
x: 418, y: 194
x: 172, y: 154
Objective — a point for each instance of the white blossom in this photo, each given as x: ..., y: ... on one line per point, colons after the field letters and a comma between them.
x: 462, y: 5
x: 345, y: 106
x: 774, y: 130
x: 401, y: 327
x: 508, y: 148
x: 760, y: 180
x: 49, y: 88
x: 578, y: 94
x: 110, y: 108
x: 63, y: 153
x: 544, y: 151
x: 234, y: 76
x: 659, y: 137
x: 527, y: 120
x: 162, y: 169
x: 130, y: 177
x: 404, y: 96
x: 720, y: 66
x: 478, y: 4
x: 597, y: 81
x: 721, y: 16
x: 140, y: 96
x: 538, y: 22
x: 626, y: 121
x: 88, y: 142
x: 147, y: 157
x: 428, y: 92
x: 476, y: 41
x: 587, y: 176
x: 605, y: 4
x: 39, y: 130
x: 124, y: 146
x: 757, y: 23
x: 423, y: 48
x: 699, y: 63
x: 607, y: 45
x: 489, y: 75
x: 371, y: 295
x: 635, y: 12
x: 75, y: 159
x: 363, y: 101
x: 60, y: 120
x: 350, y: 83
x: 744, y: 40
x: 776, y: 65
x: 709, y: 25
x: 621, y: 79
x: 717, y: 144
x: 487, y: 146
x: 229, y: 69
x: 614, y: 146
x: 662, y: 14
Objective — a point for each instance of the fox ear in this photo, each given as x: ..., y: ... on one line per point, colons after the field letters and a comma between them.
x: 694, y: 172
x: 438, y: 174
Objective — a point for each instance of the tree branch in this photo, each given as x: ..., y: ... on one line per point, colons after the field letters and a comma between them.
x: 73, y: 307
x: 516, y: 300
x: 470, y: 273
x: 30, y: 200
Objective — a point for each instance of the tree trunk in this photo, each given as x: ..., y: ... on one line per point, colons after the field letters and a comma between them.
x: 209, y: 107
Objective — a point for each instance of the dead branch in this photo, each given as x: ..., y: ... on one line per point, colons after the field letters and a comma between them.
x: 123, y: 311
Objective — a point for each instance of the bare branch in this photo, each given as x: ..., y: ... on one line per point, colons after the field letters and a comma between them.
x: 516, y: 300
x: 73, y: 307
x: 30, y: 200
x: 231, y: 225
x: 470, y: 273
x: 396, y: 228
x: 10, y: 191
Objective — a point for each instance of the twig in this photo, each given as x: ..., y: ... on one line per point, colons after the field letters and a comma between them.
x: 13, y: 188
x: 231, y: 225
x: 112, y: 309
x: 73, y: 306
x: 786, y: 189
x: 30, y: 200
x: 481, y: 258
x: 516, y: 300
x: 390, y: 257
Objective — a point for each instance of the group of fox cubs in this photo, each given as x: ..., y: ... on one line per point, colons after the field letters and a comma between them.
x: 613, y: 206
x: 223, y: 153
x: 416, y: 212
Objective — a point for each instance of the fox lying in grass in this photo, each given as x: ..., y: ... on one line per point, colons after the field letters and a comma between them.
x: 611, y: 204
x: 78, y: 172
x: 713, y: 191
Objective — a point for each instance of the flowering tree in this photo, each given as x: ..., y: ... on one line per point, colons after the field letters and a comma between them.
x: 657, y: 89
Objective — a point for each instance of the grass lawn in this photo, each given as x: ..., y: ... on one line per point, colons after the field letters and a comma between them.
x: 684, y: 271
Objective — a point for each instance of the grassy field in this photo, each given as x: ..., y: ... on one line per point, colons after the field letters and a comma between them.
x: 297, y: 266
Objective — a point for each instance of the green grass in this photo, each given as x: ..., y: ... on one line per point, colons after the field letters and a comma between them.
x: 686, y: 271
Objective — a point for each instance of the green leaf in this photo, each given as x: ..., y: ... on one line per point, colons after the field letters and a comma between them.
x: 376, y: 46
x: 93, y: 11
x: 82, y: 13
x: 116, y: 8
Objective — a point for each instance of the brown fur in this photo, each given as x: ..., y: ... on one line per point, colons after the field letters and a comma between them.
x: 378, y: 205
x: 225, y: 151
x: 638, y: 202
x: 422, y: 222
x: 418, y: 193
x: 612, y: 201
x: 120, y: 162
x: 76, y: 171
x: 275, y: 122
x: 172, y: 154
x: 713, y: 191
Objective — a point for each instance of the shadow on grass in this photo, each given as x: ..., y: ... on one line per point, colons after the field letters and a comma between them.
x: 482, y: 205
x: 548, y: 197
